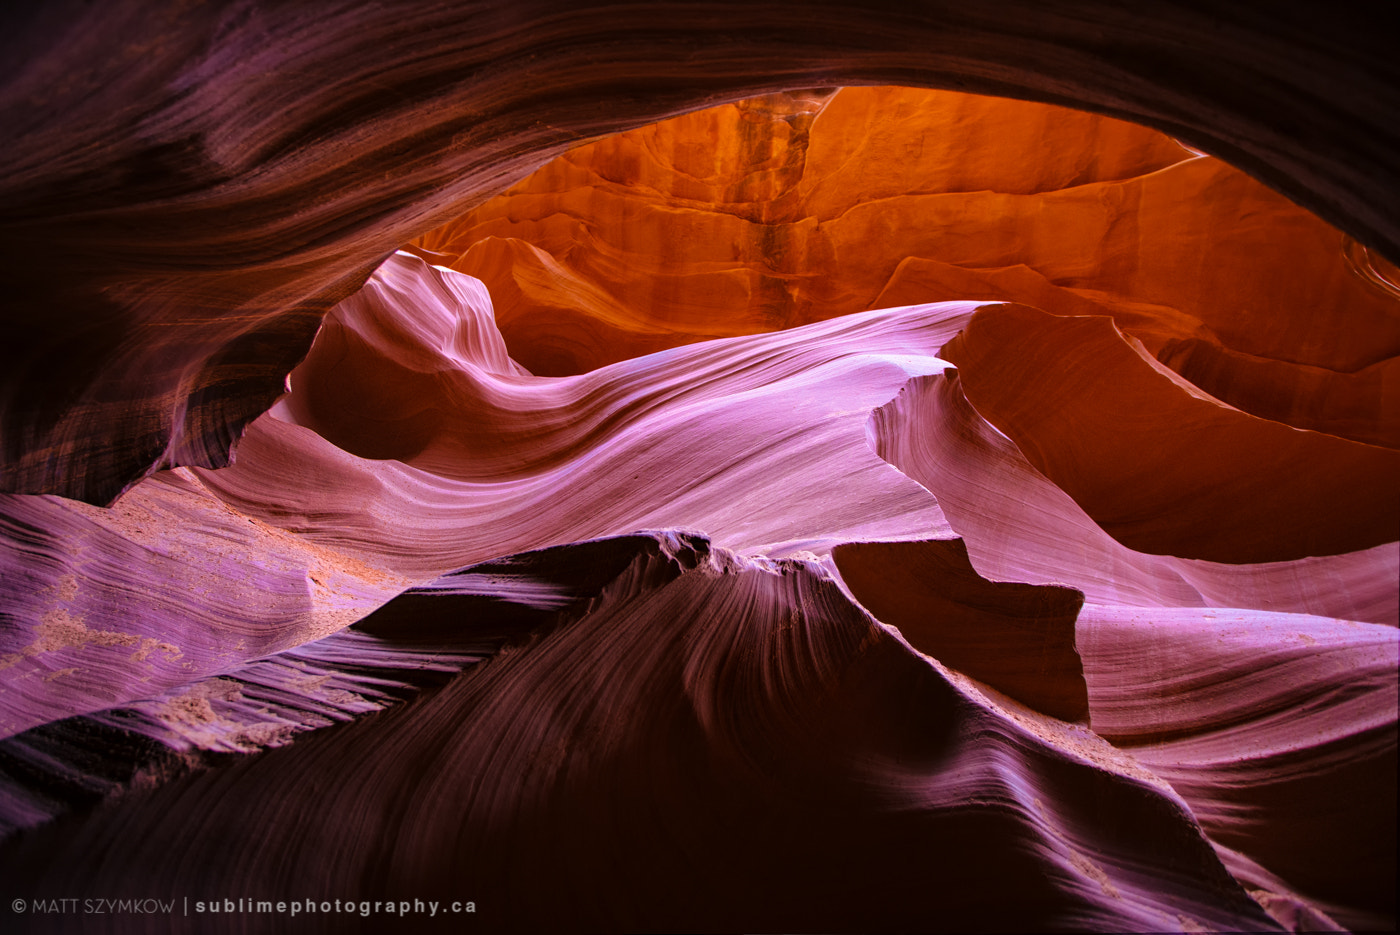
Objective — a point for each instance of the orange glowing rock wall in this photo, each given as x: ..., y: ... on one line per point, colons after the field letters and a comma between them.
x: 835, y: 202
x: 185, y: 189
x: 802, y: 206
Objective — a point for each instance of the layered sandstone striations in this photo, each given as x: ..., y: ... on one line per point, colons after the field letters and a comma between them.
x: 874, y: 509
x: 853, y: 431
x: 185, y: 189
x: 833, y: 203
x: 197, y: 571
x: 784, y: 762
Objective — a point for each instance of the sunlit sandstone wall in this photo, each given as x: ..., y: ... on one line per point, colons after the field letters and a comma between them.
x: 185, y: 189
x: 831, y: 203
x: 1143, y: 253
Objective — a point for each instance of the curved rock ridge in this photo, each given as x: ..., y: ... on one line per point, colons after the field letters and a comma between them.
x: 169, y: 587
x: 760, y: 441
x: 413, y: 642
x: 1279, y: 730
x: 713, y: 706
x: 185, y: 190
x: 1019, y: 527
x: 713, y: 742
x: 1149, y: 686
x: 1163, y: 467
x: 194, y: 572
x: 173, y: 586
x: 832, y: 203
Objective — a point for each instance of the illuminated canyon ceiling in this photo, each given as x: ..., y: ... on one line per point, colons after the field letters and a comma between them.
x: 862, y: 504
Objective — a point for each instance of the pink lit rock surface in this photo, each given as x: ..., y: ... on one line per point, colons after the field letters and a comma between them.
x: 715, y: 743
x: 1021, y: 527
x: 300, y: 537
x: 759, y: 441
x: 170, y: 586
x: 1277, y: 729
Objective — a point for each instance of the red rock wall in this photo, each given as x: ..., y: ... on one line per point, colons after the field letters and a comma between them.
x: 874, y: 197
x: 972, y: 613
x: 186, y: 189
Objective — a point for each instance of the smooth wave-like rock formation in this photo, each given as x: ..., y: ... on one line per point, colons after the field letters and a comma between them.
x: 185, y: 190
x: 714, y: 744
x: 867, y: 198
x: 830, y: 674
x: 300, y: 537
x: 1019, y: 526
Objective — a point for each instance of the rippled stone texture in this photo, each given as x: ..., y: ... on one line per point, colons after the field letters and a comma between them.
x: 687, y: 643
x: 185, y: 189
x: 716, y: 744
x: 865, y: 198
x: 301, y: 537
x: 798, y: 449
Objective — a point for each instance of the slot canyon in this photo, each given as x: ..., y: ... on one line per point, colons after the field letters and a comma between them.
x: 528, y: 466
